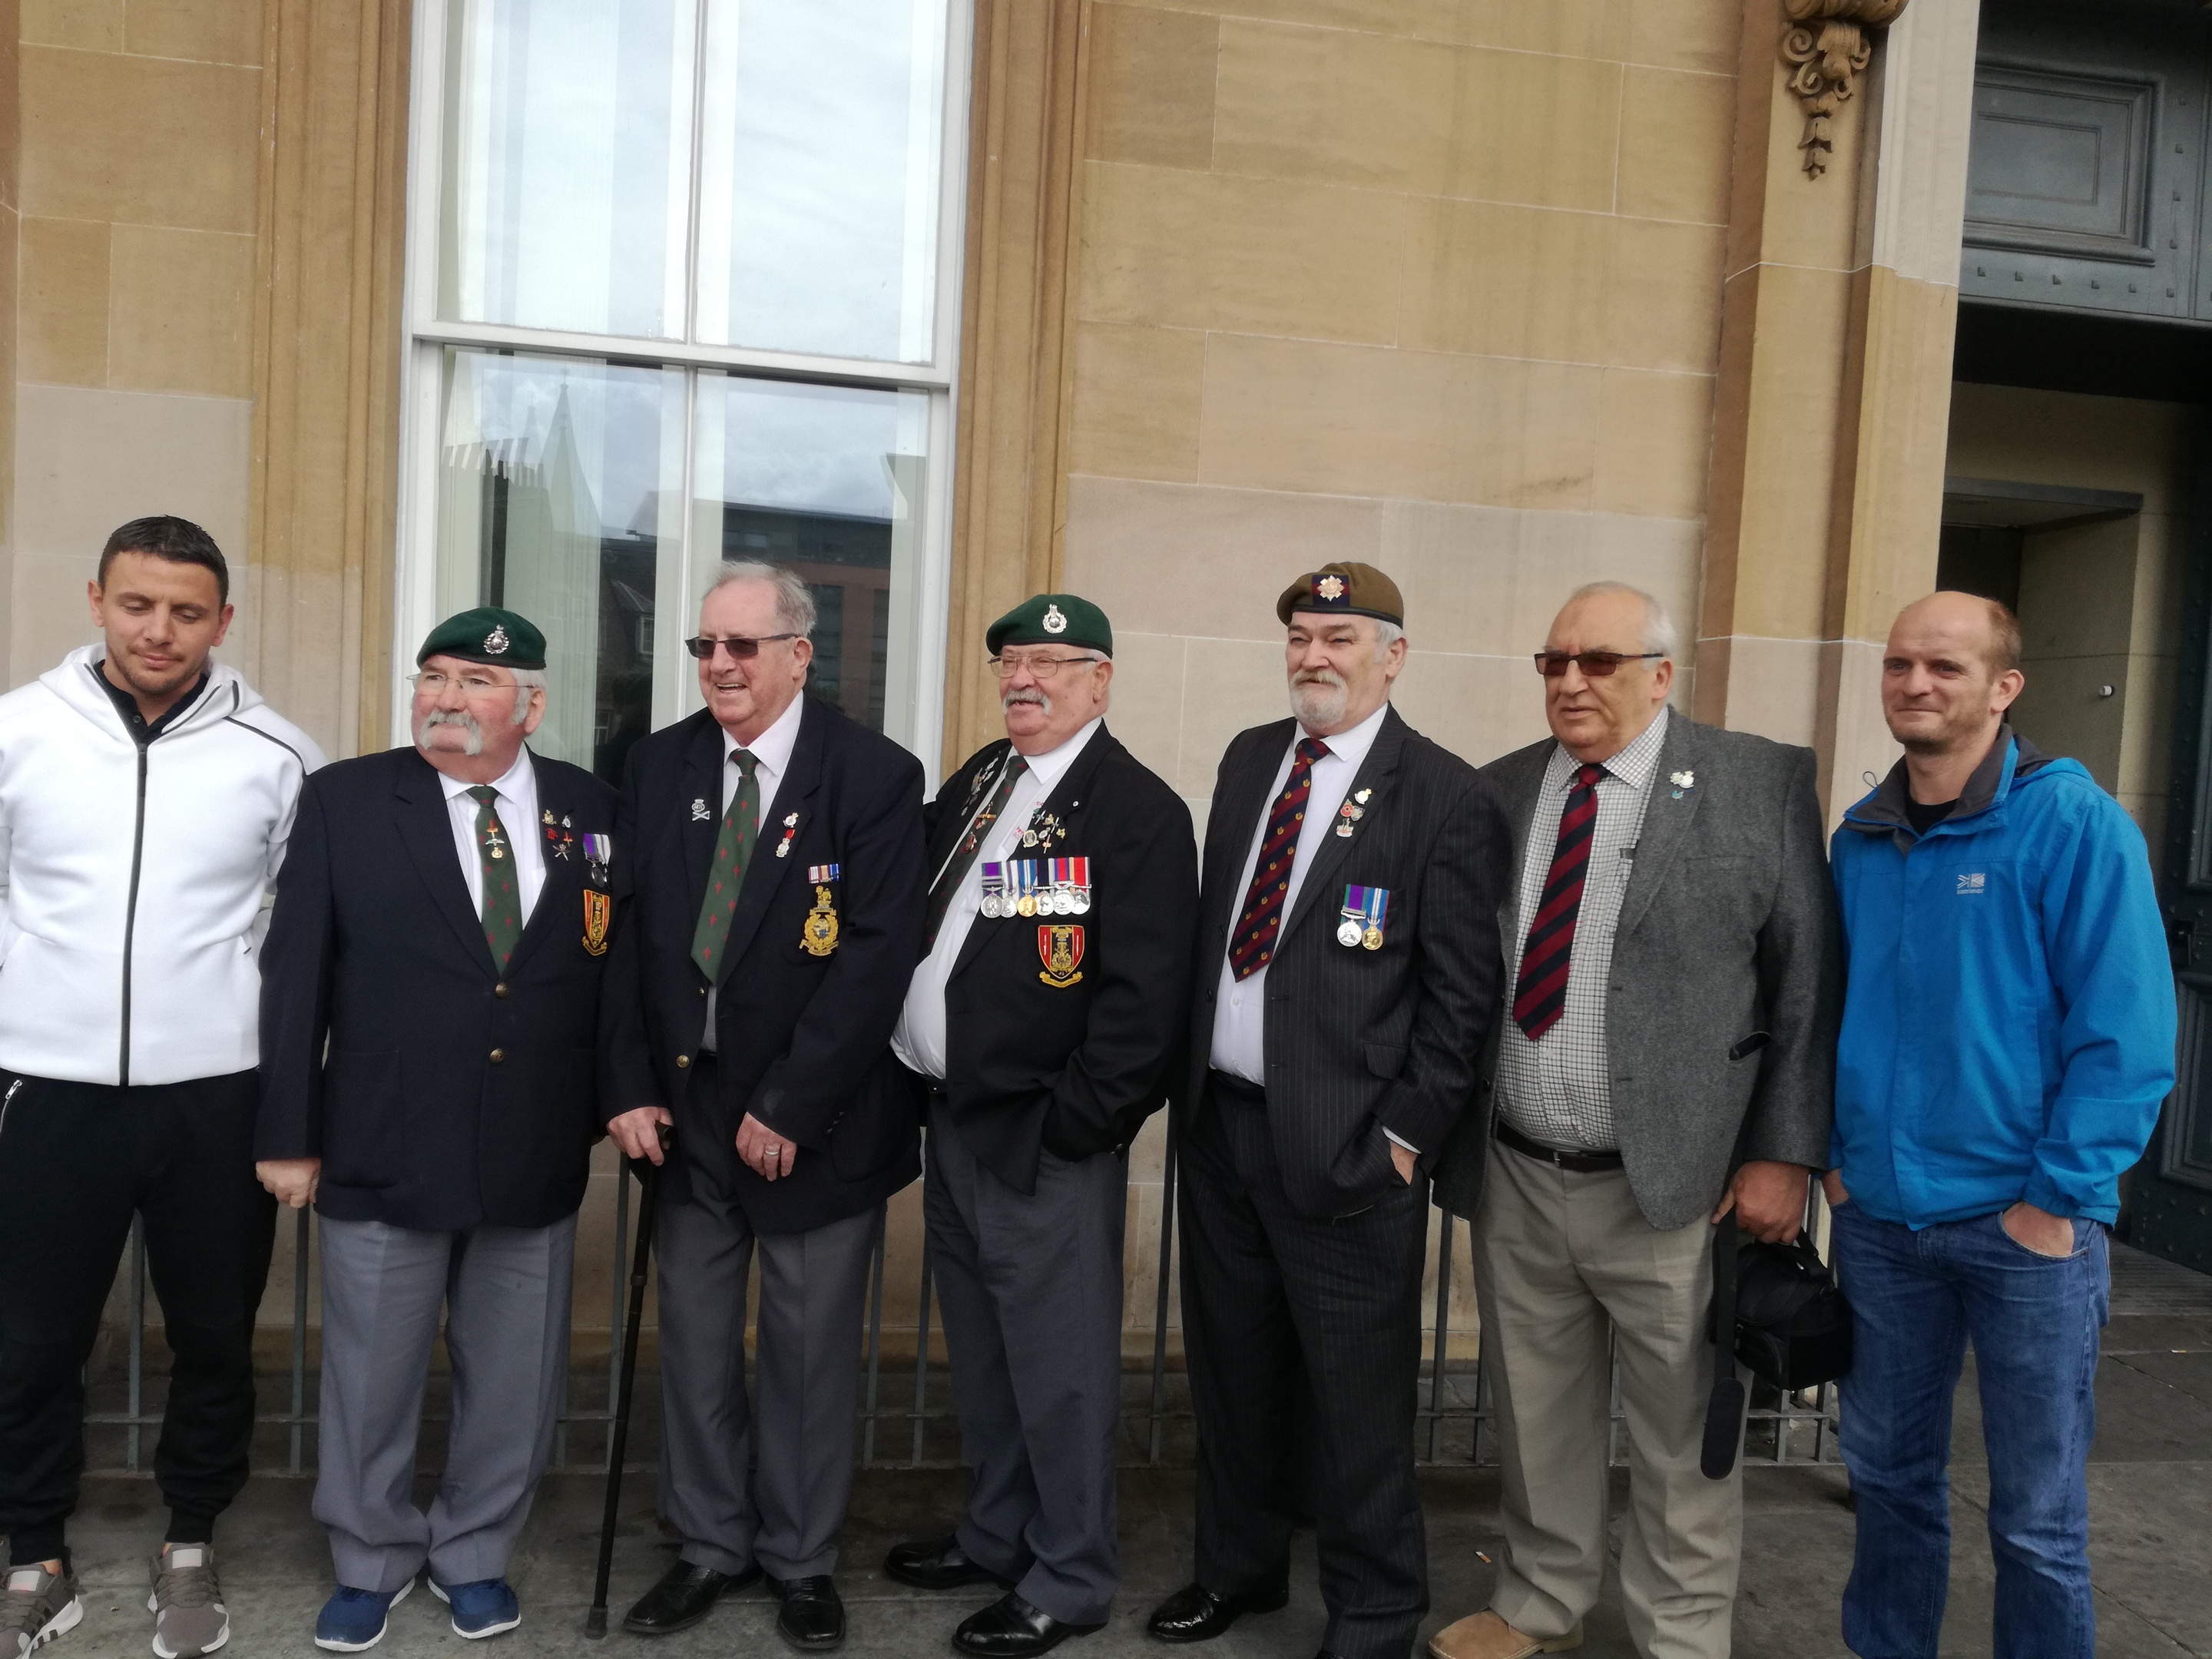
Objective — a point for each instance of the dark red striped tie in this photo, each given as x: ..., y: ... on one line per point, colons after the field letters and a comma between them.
x: 1540, y: 994
x: 1261, y: 923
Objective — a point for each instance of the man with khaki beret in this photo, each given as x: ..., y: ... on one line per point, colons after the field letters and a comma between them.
x: 1347, y: 975
x: 1038, y: 1031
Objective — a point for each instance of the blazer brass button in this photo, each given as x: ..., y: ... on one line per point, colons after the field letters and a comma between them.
x: 497, y: 1055
x: 681, y: 1060
x: 499, y: 990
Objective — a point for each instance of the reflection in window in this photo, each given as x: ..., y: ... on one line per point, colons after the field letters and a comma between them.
x: 568, y: 164
x: 559, y: 481
x: 819, y: 185
x: 828, y: 481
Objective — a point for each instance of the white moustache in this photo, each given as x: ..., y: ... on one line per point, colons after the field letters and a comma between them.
x: 459, y: 717
x: 1038, y: 697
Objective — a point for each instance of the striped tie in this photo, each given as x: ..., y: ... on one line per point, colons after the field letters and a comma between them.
x: 1540, y: 994
x: 1261, y: 925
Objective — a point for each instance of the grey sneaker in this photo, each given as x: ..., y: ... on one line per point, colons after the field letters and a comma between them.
x: 186, y: 1603
x: 38, y: 1607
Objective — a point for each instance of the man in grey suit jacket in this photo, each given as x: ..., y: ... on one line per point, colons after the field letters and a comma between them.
x: 1346, y: 977
x: 1674, y: 961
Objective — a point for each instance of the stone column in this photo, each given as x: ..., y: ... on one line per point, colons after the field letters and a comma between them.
x: 1023, y: 211
x: 327, y: 342
x: 1841, y: 297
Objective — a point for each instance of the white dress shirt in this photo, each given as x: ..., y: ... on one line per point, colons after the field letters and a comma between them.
x: 771, y: 753
x: 517, y: 807
x: 1558, y: 1090
x: 919, y: 1039
x: 1240, y: 1008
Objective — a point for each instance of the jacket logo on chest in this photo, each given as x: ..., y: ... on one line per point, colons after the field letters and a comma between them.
x: 1060, y: 947
x: 1973, y: 881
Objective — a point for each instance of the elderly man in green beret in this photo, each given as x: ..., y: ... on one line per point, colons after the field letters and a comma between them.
x: 429, y: 996
x: 1039, y: 1029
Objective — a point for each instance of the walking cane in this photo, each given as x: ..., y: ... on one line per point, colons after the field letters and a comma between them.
x: 595, y: 1622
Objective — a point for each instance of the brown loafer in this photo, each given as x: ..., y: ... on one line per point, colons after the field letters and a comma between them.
x: 1486, y: 1635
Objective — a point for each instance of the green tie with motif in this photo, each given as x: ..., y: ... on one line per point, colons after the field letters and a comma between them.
x: 733, y: 851
x: 502, y: 896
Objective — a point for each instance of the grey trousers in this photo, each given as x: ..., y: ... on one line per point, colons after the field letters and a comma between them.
x: 776, y: 1497
x: 1560, y: 1258
x: 1030, y: 1290
x: 504, y: 1292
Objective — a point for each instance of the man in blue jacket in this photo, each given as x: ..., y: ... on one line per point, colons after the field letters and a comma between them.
x: 2008, y: 1038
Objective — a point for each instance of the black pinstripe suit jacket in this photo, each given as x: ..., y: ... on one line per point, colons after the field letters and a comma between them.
x: 1360, y: 1039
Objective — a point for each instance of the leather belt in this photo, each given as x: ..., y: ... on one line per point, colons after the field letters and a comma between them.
x: 1229, y: 1083
x: 1574, y: 1163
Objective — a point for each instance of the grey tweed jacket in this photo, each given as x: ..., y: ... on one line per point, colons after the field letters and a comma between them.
x: 1728, y: 975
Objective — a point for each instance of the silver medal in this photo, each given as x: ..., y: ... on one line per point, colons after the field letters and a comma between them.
x: 991, y: 905
x: 1079, y: 901
x: 1347, y: 933
x: 1063, y: 903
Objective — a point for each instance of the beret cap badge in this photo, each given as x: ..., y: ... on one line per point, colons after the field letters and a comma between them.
x: 1055, y: 620
x: 496, y: 643
x: 1329, y: 587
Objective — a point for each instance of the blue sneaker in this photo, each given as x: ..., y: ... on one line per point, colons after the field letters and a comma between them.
x: 485, y: 1607
x: 353, y: 1620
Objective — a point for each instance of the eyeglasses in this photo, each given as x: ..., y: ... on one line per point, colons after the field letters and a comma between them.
x: 740, y: 647
x: 1044, y: 668
x: 430, y: 683
x: 1595, y: 664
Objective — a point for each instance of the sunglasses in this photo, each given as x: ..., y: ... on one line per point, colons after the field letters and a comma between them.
x: 737, y: 646
x: 1595, y: 664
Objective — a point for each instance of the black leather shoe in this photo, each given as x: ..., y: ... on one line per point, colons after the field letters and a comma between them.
x: 1195, y: 1613
x: 684, y: 1595
x: 937, y: 1564
x: 1010, y: 1628
x: 812, y: 1617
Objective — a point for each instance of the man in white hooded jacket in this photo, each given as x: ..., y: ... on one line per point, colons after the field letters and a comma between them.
x: 146, y: 793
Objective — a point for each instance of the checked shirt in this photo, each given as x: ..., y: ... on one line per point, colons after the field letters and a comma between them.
x: 1558, y: 1089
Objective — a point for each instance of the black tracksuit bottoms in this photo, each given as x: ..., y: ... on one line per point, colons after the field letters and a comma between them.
x: 76, y: 1161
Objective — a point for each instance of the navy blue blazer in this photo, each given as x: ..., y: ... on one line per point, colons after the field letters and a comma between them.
x: 439, y: 1092
x: 802, y: 1038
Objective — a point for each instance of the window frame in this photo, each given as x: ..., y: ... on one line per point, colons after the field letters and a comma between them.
x: 917, y: 667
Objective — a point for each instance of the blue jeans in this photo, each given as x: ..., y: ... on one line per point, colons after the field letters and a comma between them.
x: 1916, y: 1298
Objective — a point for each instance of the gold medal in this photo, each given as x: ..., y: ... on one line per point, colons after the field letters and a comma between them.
x: 1372, y: 938
x: 1026, y: 904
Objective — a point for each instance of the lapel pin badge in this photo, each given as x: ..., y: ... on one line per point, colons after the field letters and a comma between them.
x: 699, y: 812
x: 1682, y: 780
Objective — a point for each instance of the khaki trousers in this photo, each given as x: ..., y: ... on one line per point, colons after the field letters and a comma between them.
x: 1561, y: 1257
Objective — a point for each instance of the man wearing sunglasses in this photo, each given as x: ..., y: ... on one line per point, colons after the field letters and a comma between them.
x: 778, y: 878
x: 1673, y: 958
x: 1064, y: 884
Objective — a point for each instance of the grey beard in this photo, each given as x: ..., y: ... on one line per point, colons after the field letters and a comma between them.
x: 1317, y: 704
x: 461, y: 718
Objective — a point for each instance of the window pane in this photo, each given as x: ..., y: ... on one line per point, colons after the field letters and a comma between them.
x: 560, y: 481
x: 818, y: 190
x: 568, y: 164
x: 828, y: 481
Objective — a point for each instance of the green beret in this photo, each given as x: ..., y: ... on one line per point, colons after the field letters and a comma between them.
x: 1349, y: 590
x: 1053, y: 619
x: 487, y: 635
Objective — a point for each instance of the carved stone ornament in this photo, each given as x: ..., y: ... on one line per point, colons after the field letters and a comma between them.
x: 1826, y: 45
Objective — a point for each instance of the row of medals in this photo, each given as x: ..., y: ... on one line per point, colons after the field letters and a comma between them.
x: 1350, y: 932
x: 1061, y: 901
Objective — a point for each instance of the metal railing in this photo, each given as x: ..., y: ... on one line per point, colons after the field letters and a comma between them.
x: 1454, y: 1421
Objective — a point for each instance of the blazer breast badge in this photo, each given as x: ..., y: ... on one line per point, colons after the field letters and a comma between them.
x: 599, y: 909
x: 818, y: 936
x: 1060, y: 947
